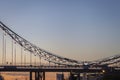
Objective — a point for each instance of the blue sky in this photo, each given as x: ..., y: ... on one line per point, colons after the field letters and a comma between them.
x: 78, y: 29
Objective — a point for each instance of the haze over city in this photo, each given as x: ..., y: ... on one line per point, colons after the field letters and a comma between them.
x: 77, y: 29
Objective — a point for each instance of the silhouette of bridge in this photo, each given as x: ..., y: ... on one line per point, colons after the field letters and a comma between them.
x: 40, y: 61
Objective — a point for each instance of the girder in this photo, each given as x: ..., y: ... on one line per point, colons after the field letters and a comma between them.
x: 48, y: 56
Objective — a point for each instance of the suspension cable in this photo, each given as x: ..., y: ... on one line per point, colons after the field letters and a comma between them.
x: 12, y: 53
x: 15, y: 54
x: 40, y: 60
x: 24, y: 59
x: 21, y: 55
x: 3, y: 50
x: 30, y: 58
x: 49, y: 63
x: 35, y: 60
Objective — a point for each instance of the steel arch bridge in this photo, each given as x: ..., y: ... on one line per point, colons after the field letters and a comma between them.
x: 112, y: 61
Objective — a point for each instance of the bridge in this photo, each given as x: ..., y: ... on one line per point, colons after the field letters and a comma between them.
x: 25, y: 56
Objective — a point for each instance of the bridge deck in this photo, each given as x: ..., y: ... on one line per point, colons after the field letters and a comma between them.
x: 47, y: 69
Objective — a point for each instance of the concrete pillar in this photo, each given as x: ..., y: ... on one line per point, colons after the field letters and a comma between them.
x: 43, y: 75
x: 74, y: 76
x: 39, y: 75
x: 30, y: 75
x: 78, y: 76
x: 36, y: 76
x: 84, y: 76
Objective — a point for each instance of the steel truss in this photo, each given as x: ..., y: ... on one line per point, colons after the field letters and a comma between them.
x: 53, y: 58
x: 48, y: 56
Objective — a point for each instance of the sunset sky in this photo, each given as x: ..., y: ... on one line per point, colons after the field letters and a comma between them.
x: 77, y: 29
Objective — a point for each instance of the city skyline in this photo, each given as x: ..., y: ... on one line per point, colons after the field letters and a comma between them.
x: 81, y: 30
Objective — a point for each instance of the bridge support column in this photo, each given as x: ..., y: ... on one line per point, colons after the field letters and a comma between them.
x: 84, y: 76
x: 74, y: 76
x: 36, y: 75
x: 39, y: 75
x: 43, y: 75
x: 30, y: 75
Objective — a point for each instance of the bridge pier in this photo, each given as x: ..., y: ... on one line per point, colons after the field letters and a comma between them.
x: 30, y: 75
x: 84, y: 76
x: 36, y: 76
x: 39, y: 76
x: 43, y: 75
x: 74, y: 76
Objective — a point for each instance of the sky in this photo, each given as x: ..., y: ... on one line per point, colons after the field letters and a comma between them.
x: 77, y: 29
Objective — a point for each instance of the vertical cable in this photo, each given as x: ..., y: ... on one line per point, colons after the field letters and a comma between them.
x: 40, y: 60
x: 30, y: 58
x: 3, y: 50
x: 24, y: 59
x: 21, y: 55
x: 12, y: 53
x: 49, y: 63
x: 35, y: 60
x: 15, y: 53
